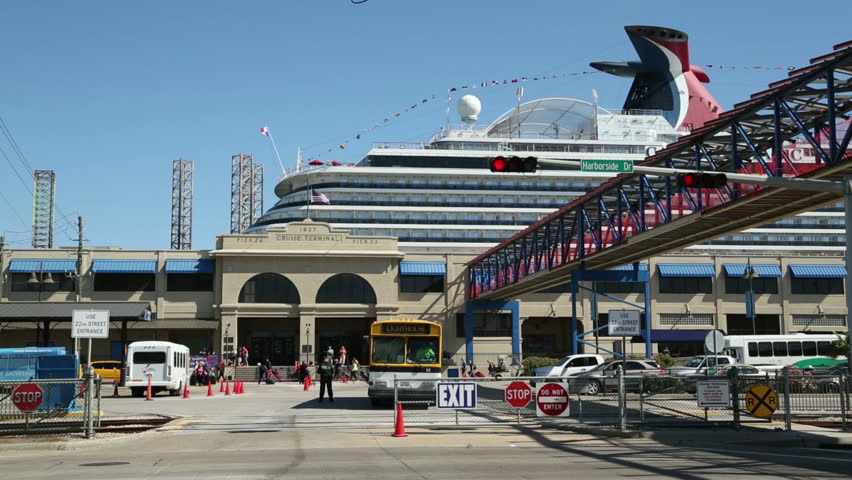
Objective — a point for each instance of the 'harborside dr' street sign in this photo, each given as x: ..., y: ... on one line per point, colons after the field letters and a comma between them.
x: 608, y: 166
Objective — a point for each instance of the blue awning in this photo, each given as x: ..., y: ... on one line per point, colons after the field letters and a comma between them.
x: 422, y: 268
x: 125, y: 266
x: 199, y: 265
x: 28, y: 265
x: 818, y: 271
x: 674, y: 336
x: 737, y: 270
x: 687, y: 269
x: 643, y: 267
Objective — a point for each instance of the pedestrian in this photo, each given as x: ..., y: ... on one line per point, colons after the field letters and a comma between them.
x: 220, y: 371
x: 356, y: 369
x: 245, y: 354
x: 301, y: 370
x: 666, y: 351
x: 326, y: 371
x: 342, y: 356
x: 262, y: 371
x: 336, y: 368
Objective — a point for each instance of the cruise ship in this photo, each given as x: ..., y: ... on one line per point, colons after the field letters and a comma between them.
x: 442, y: 194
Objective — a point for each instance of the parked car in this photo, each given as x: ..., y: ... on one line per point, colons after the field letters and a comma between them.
x: 828, y: 380
x: 721, y: 372
x: 603, y: 378
x: 701, y: 364
x: 108, y: 370
x: 570, y: 365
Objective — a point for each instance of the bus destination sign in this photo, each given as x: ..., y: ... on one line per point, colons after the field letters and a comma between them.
x: 405, y: 328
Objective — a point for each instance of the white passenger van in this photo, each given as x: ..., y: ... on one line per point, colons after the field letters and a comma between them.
x: 168, y: 364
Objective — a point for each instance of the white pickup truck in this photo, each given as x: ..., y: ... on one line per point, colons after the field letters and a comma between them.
x: 570, y: 365
x: 700, y: 364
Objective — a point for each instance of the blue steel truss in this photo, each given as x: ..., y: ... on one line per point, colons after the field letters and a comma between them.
x: 804, y: 117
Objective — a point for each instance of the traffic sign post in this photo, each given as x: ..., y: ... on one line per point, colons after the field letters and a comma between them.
x: 89, y: 324
x: 27, y: 397
x: 608, y: 166
x: 518, y: 394
x: 551, y: 400
x: 624, y: 323
x: 761, y: 401
x: 456, y: 395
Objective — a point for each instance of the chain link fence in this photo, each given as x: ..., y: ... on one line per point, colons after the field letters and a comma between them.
x: 628, y: 400
x: 50, y: 406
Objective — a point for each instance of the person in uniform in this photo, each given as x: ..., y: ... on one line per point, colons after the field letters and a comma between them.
x: 326, y: 373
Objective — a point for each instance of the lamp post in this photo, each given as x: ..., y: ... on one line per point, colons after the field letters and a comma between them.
x: 750, y: 274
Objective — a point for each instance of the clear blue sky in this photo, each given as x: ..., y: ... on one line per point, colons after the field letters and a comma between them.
x: 107, y: 94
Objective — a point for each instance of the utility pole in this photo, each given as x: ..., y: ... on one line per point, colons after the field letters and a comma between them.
x: 78, y: 278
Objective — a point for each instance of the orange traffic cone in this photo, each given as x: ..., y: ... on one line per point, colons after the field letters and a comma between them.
x: 222, y: 386
x: 115, y: 388
x: 186, y: 391
x: 399, y: 430
x: 210, y: 390
x: 345, y: 378
x: 242, y: 387
x: 148, y: 395
x: 307, y: 383
x: 228, y: 389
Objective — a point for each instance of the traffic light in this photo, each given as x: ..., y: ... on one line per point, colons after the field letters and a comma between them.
x: 701, y: 180
x: 513, y: 164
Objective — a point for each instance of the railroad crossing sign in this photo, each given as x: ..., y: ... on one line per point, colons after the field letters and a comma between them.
x: 27, y: 397
x: 518, y: 394
x: 551, y: 400
x: 761, y: 401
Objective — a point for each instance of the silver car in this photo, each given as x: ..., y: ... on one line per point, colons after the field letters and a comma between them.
x: 604, y: 377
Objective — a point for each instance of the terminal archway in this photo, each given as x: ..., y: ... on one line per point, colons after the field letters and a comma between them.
x: 274, y: 338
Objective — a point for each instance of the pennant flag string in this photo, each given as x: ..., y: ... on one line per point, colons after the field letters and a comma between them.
x: 341, y: 145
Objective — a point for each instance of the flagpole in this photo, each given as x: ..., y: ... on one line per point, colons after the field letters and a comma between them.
x: 309, y: 196
x: 275, y: 149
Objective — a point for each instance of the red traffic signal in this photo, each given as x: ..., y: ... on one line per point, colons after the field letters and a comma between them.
x: 701, y: 180
x: 513, y: 164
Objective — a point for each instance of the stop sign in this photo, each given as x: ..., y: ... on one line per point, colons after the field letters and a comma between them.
x: 551, y: 400
x: 27, y: 397
x: 518, y: 394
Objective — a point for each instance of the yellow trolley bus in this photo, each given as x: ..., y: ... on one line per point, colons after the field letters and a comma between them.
x: 404, y: 349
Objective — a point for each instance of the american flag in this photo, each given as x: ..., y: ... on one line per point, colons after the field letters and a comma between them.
x: 319, y: 197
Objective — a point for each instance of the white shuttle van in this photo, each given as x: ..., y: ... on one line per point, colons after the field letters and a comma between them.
x: 168, y: 364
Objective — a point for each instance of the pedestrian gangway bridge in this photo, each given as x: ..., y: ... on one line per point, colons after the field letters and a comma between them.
x: 799, y: 127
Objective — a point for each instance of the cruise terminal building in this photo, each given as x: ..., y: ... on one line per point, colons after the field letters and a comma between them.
x: 292, y: 291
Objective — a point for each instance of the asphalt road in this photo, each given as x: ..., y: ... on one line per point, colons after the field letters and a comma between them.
x: 283, y: 432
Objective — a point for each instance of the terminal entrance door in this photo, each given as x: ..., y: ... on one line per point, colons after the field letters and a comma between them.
x: 279, y: 347
x: 352, y: 333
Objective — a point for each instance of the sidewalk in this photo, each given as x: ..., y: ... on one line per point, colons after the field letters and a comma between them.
x: 802, y: 436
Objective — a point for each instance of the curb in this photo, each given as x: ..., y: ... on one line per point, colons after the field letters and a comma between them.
x: 697, y: 437
x: 80, y: 443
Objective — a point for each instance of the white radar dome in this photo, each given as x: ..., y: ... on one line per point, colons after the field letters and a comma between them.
x: 469, y: 107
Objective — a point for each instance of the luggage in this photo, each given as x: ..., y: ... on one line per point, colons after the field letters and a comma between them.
x: 270, y: 380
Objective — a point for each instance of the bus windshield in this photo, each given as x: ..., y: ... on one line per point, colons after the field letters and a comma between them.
x: 422, y: 350
x: 388, y: 349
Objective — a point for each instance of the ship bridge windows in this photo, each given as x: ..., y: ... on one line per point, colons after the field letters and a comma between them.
x: 362, y: 215
x: 346, y: 215
x: 401, y: 182
x: 436, y: 181
x: 471, y: 183
x: 382, y: 216
x: 453, y: 217
x: 418, y: 181
x: 491, y: 183
x: 400, y: 216
x: 455, y: 234
x: 418, y: 216
x: 507, y: 200
x: 383, y: 181
x: 418, y: 199
x: 473, y: 217
x: 472, y: 200
x: 454, y: 182
x: 437, y: 217
x: 382, y: 199
x: 362, y: 181
x: 455, y: 200
x: 469, y: 234
x: 507, y: 183
x: 527, y: 201
x: 362, y: 198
